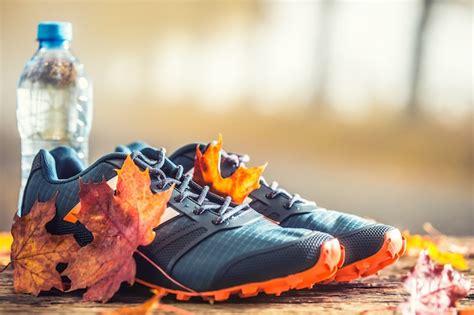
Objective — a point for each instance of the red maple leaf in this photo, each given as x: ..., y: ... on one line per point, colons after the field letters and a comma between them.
x: 120, y: 223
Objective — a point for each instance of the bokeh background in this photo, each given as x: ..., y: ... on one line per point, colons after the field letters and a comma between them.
x: 363, y: 106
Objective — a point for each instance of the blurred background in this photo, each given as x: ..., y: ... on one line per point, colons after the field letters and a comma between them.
x: 363, y: 106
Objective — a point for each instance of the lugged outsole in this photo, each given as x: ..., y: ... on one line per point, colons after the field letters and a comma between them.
x: 326, y: 267
x: 392, y: 249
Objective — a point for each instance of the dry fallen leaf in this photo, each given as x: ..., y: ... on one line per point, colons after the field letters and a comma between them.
x: 207, y: 172
x: 417, y: 243
x: 35, y: 253
x: 145, y: 308
x: 448, y: 244
x: 148, y: 307
x: 434, y: 289
x: 120, y: 223
x: 6, y: 240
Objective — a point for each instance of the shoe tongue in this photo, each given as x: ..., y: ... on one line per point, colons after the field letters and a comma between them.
x: 229, y: 164
x: 187, y: 155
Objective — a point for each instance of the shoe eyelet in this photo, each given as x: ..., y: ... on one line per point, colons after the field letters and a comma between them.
x: 178, y: 199
x: 287, y: 206
x: 156, y: 186
x: 217, y: 222
x: 269, y: 195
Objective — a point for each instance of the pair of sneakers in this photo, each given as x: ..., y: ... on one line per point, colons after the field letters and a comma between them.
x: 211, y: 245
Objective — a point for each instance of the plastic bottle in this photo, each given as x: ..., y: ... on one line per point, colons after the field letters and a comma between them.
x: 54, y: 98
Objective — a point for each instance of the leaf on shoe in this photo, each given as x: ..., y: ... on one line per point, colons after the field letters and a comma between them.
x: 35, y: 253
x: 119, y: 222
x: 434, y: 289
x: 207, y: 172
x: 417, y: 243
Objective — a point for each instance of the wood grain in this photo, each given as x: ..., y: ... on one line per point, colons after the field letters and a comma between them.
x: 375, y: 295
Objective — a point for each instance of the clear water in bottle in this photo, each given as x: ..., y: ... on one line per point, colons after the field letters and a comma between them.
x: 54, y: 98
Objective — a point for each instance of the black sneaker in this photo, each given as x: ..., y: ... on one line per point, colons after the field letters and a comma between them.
x: 369, y: 246
x: 205, y: 245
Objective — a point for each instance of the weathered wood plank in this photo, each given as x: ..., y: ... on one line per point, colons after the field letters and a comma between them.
x: 372, y: 294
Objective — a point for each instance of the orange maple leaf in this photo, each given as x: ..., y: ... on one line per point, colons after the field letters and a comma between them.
x: 145, y: 308
x: 207, y: 172
x: 148, y: 307
x: 120, y: 223
x: 35, y: 253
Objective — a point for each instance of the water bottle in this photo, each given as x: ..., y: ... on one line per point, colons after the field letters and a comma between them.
x: 54, y: 98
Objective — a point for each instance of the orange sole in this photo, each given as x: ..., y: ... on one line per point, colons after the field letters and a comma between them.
x: 326, y: 267
x: 393, y: 248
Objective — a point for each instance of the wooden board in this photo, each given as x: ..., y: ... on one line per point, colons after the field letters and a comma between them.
x: 376, y: 294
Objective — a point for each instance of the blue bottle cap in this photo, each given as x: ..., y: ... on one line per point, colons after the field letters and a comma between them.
x: 54, y: 31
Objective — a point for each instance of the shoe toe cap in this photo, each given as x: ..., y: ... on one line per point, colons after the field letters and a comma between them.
x: 364, y: 242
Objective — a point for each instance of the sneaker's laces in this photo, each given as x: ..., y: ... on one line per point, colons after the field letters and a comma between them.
x: 238, y: 159
x: 275, y: 191
x: 160, y: 181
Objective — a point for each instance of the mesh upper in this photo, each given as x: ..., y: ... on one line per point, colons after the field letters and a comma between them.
x: 164, y: 254
x: 364, y: 242
x: 165, y: 231
x: 361, y: 238
x: 328, y: 221
x: 300, y: 255
x: 225, y: 248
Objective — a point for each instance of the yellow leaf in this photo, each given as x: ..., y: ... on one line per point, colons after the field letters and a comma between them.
x: 455, y: 259
x: 6, y: 241
x: 416, y: 243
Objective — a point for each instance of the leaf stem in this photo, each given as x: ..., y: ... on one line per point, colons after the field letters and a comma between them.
x: 5, y: 267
